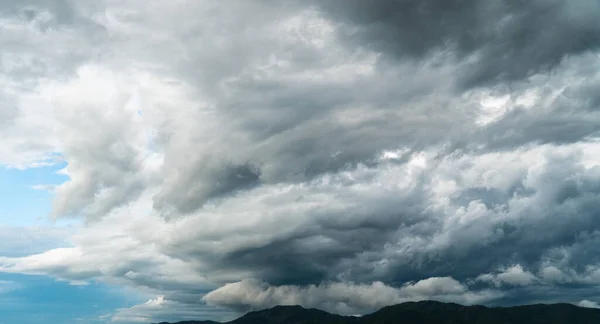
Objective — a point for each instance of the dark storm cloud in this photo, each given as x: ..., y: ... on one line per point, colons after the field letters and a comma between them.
x: 500, y: 40
x: 296, y: 129
x: 223, y: 181
x: 296, y: 122
x: 518, y: 226
x: 314, y: 149
x: 556, y: 215
x: 549, y: 232
x: 521, y: 128
x: 291, y: 127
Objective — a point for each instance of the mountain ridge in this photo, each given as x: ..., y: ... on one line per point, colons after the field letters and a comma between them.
x: 424, y: 312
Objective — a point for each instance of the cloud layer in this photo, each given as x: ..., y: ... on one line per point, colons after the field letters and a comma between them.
x: 240, y: 155
x: 342, y: 298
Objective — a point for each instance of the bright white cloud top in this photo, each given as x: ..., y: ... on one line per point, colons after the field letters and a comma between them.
x: 234, y: 155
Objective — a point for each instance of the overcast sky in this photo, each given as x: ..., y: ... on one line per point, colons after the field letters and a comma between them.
x: 188, y: 159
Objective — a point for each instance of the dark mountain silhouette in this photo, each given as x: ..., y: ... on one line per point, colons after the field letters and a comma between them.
x: 426, y: 312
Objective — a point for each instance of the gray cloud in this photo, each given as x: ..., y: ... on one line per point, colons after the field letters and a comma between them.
x: 45, y: 42
x: 567, y: 113
x: 300, y: 152
x: 511, y: 249
x: 502, y: 41
x: 342, y: 298
x: 418, y: 240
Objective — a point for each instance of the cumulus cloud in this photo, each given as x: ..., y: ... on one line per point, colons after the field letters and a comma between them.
x: 45, y: 41
x: 515, y: 276
x: 249, y: 154
x: 588, y: 304
x: 159, y: 310
x: 128, y: 257
x: 343, y: 298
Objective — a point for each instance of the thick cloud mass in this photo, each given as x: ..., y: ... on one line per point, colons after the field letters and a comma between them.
x: 341, y: 297
x: 500, y: 40
x: 346, y: 155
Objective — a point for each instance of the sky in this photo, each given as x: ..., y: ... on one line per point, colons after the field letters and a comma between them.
x: 183, y: 159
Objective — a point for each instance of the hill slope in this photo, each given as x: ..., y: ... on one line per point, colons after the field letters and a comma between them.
x: 427, y: 312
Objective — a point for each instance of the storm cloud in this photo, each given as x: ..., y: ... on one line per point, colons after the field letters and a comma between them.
x: 227, y: 156
x: 501, y: 41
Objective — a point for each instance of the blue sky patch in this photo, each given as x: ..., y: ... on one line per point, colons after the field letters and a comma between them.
x: 23, y: 199
x: 38, y: 299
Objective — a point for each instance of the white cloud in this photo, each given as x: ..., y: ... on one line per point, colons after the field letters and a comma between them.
x: 115, y: 252
x: 160, y: 309
x: 40, y: 47
x: 588, y: 304
x: 344, y: 298
x: 514, y: 276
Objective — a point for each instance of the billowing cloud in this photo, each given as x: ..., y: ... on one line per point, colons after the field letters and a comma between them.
x: 159, y: 310
x: 500, y: 41
x: 127, y: 257
x: 44, y: 41
x: 249, y: 154
x: 514, y: 276
x: 343, y: 298
x: 588, y: 304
